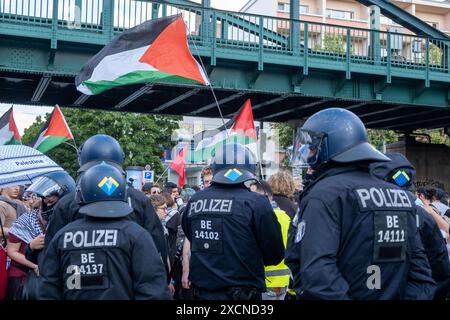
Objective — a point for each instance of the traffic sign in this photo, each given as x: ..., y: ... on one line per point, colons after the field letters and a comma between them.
x: 148, y: 175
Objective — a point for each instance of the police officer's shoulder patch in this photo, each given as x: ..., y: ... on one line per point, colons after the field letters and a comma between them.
x: 301, y: 228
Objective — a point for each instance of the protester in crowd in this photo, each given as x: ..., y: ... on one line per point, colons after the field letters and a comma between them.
x: 436, y: 196
x: 206, y: 177
x: 10, y: 207
x: 277, y: 277
x: 149, y: 188
x: 283, y: 188
x: 171, y: 223
x: 424, y: 199
x: 445, y: 199
x: 146, y: 188
x: 172, y: 189
x: 28, y: 229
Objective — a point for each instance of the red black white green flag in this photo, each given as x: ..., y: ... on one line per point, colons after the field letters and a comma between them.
x: 8, y: 129
x: 54, y: 132
x: 156, y: 50
x: 240, y: 129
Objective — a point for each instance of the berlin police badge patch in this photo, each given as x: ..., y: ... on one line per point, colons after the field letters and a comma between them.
x: 300, y: 231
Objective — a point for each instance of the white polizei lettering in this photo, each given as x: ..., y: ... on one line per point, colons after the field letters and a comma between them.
x: 390, y: 198
x: 86, y: 240
x: 216, y: 205
x: 395, y: 193
x: 364, y: 195
x: 192, y: 206
x: 198, y: 208
x: 225, y: 206
x: 378, y: 203
x: 75, y: 242
x: 404, y: 198
x: 115, y: 238
x: 68, y: 237
x: 98, y: 240
x: 388, y: 204
x: 109, y: 237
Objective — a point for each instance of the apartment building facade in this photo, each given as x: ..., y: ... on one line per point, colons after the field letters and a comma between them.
x: 349, y: 17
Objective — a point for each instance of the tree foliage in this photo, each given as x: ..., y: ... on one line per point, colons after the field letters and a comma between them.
x: 379, y: 137
x: 333, y: 43
x: 142, y: 137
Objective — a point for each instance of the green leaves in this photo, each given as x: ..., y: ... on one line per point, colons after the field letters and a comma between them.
x: 142, y: 137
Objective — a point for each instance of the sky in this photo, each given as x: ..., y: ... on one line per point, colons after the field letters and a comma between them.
x: 25, y: 115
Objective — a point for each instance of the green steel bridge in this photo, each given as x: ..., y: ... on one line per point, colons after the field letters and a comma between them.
x: 288, y: 68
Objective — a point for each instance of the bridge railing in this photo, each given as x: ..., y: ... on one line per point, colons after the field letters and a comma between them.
x: 219, y: 29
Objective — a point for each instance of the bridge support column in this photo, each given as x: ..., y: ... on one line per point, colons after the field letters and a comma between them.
x: 295, y: 26
x: 375, y: 45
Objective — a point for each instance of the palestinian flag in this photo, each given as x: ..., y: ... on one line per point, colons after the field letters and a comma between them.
x: 53, y: 133
x: 240, y: 129
x: 156, y: 50
x: 8, y: 129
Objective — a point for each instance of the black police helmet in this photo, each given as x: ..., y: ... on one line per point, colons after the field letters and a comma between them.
x: 102, y: 191
x: 233, y: 164
x: 98, y: 148
x: 57, y: 183
x: 339, y: 135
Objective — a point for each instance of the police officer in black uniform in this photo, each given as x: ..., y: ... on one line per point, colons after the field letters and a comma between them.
x: 103, y: 255
x: 94, y: 150
x: 354, y: 236
x: 233, y: 232
x: 401, y: 172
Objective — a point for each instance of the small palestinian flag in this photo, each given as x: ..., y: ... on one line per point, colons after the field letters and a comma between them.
x: 240, y: 129
x: 156, y: 50
x: 8, y: 129
x: 53, y: 133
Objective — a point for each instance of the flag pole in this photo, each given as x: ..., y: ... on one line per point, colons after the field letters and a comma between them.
x: 209, y: 82
x: 162, y: 174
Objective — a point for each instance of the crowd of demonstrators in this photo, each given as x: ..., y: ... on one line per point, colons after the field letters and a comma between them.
x: 232, y: 237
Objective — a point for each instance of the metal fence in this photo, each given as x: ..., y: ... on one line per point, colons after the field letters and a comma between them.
x: 240, y: 30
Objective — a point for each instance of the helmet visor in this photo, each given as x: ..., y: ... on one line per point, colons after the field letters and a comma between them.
x: 306, y: 149
x: 44, y: 187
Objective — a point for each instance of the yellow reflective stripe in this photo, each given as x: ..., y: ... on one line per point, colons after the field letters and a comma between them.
x: 275, y: 273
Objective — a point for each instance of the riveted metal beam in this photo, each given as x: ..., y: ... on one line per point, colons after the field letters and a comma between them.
x: 176, y: 100
x: 41, y: 87
x: 81, y: 99
x: 303, y: 107
x: 271, y: 101
x: 212, y: 105
x: 144, y: 90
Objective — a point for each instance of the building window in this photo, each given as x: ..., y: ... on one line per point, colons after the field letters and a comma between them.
x: 304, y: 9
x: 283, y: 7
x: 433, y: 24
x: 339, y: 14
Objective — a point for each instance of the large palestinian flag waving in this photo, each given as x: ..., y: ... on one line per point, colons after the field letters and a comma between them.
x: 240, y: 129
x: 156, y: 50
x: 8, y: 129
x: 54, y: 132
